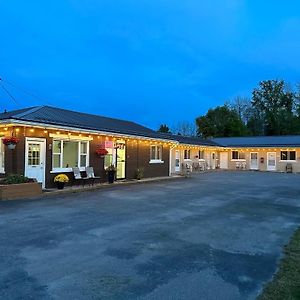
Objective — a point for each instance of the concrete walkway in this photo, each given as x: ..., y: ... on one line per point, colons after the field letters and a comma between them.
x: 218, y: 235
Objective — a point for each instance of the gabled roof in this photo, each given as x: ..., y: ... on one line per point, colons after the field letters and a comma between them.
x: 260, y: 141
x: 67, y: 118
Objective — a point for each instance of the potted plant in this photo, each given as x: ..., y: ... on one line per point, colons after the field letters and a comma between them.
x: 60, y: 180
x: 111, y: 171
x: 139, y: 173
x: 10, y: 142
x: 101, y: 152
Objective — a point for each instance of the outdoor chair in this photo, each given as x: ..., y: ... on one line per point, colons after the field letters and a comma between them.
x: 186, y: 169
x: 91, y: 175
x: 78, y: 177
x: 196, y: 166
x: 289, y: 168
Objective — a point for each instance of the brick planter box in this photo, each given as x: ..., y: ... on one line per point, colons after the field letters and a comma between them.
x: 20, y: 191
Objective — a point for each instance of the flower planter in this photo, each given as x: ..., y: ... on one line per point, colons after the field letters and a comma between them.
x: 60, y: 185
x: 111, y: 176
x: 11, y: 146
x: 20, y: 190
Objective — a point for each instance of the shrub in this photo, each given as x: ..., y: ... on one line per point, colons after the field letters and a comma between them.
x: 139, y: 173
x: 15, y: 178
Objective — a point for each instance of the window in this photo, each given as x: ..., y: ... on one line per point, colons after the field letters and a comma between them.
x: 1, y: 157
x: 288, y: 155
x: 156, y: 153
x: 69, y: 154
x: 201, y: 154
x: 237, y: 155
x: 187, y: 154
x: 108, y: 158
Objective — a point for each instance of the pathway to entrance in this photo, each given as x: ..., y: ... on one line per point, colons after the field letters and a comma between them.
x: 217, y: 235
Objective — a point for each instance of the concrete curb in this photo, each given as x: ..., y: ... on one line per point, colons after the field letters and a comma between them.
x: 55, y: 192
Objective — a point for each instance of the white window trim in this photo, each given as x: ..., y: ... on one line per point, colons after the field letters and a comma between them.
x: 62, y: 170
x: 188, y: 151
x: 2, y: 158
x: 288, y: 160
x: 58, y: 170
x: 203, y: 151
x: 237, y: 159
x: 156, y: 161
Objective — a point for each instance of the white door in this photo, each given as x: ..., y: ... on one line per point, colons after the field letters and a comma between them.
x: 213, y: 160
x: 271, y: 161
x: 177, y: 161
x: 254, y: 161
x: 35, y: 152
x: 223, y: 160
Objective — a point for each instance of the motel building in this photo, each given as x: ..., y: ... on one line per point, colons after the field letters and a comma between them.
x: 52, y: 141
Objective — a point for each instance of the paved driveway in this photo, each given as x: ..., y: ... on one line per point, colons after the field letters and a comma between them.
x: 218, y: 235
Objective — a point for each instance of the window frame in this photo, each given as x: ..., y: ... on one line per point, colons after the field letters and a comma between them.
x: 2, y: 157
x: 158, y: 155
x: 201, y: 157
x: 238, y: 155
x: 79, y: 154
x: 288, y: 156
x: 187, y: 154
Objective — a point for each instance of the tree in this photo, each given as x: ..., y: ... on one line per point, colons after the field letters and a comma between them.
x: 185, y: 128
x: 275, y: 105
x: 164, y: 128
x: 242, y: 106
x: 221, y: 121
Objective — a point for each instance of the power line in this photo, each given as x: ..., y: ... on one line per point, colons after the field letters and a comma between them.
x: 9, y: 94
x: 26, y: 92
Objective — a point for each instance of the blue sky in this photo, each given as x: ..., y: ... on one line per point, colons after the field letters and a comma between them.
x: 156, y: 61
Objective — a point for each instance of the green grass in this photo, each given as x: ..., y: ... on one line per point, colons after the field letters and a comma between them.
x: 286, y: 282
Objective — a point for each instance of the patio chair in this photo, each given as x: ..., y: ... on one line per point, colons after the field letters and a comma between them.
x: 91, y: 175
x: 78, y: 177
x: 289, y: 168
x: 186, y: 170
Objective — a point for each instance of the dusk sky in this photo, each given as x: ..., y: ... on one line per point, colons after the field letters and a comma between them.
x: 153, y: 62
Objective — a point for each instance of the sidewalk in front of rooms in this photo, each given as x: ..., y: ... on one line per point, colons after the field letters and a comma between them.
x: 96, y: 186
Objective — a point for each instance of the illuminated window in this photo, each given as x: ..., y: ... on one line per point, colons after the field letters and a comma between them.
x: 69, y: 154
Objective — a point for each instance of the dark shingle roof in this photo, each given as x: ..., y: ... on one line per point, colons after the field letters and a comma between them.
x: 260, y: 141
x: 62, y: 117
x: 192, y: 140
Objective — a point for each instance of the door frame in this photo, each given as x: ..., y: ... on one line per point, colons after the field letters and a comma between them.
x: 256, y: 160
x: 268, y: 161
x: 177, y: 169
x: 116, y: 158
x: 213, y: 160
x: 42, y: 157
x: 223, y: 153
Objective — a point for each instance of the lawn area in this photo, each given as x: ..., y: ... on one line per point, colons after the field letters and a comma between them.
x: 286, y: 282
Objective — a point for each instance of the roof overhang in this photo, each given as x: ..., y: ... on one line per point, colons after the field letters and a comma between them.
x: 15, y: 122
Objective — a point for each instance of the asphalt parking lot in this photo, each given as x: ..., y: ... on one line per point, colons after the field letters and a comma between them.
x: 217, y: 235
